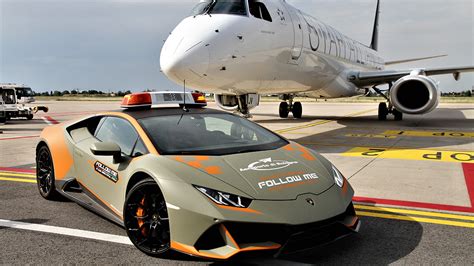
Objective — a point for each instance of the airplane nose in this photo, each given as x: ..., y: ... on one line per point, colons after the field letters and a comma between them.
x: 185, y: 60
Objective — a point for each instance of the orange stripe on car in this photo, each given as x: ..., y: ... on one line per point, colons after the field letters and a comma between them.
x: 248, y: 210
x: 57, y: 143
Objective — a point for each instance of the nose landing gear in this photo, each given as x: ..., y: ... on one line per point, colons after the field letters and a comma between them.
x: 288, y: 106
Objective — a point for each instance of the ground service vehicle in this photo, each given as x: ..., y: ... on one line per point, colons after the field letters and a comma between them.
x: 15, y: 98
x: 198, y: 181
x: 3, y: 115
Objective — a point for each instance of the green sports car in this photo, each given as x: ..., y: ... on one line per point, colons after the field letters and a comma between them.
x: 198, y: 181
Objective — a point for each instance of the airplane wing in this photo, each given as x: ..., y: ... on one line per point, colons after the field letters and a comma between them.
x: 363, y: 78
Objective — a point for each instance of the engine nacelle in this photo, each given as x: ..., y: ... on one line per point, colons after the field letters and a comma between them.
x: 415, y: 94
x: 231, y: 102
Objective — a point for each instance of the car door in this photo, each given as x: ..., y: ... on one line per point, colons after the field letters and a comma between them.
x: 101, y: 176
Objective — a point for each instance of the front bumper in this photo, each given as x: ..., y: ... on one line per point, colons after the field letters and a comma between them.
x: 226, y: 239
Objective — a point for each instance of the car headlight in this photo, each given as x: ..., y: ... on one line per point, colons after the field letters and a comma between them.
x: 338, y: 178
x: 225, y: 199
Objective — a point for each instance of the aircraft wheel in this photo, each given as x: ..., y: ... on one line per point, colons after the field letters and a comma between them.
x: 398, y: 115
x: 383, y: 111
x: 45, y: 174
x: 297, y: 110
x: 146, y: 219
x: 284, y: 110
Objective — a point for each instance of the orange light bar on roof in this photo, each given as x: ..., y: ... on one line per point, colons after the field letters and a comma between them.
x: 199, y: 98
x: 142, y: 99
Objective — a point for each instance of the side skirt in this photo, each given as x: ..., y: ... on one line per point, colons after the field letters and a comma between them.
x: 73, y: 191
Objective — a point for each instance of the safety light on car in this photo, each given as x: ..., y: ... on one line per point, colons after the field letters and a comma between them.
x: 199, y: 98
x: 338, y: 178
x: 225, y: 199
x: 137, y: 100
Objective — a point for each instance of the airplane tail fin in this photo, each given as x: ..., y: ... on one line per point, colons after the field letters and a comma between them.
x: 375, y: 33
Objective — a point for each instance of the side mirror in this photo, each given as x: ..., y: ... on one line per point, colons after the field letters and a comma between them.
x: 107, y: 149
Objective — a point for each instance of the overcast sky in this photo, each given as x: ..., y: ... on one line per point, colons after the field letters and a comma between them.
x: 115, y: 44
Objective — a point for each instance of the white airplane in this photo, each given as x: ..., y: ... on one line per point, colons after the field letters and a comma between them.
x: 240, y: 49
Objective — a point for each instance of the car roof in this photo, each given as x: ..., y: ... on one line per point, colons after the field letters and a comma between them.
x: 154, y: 112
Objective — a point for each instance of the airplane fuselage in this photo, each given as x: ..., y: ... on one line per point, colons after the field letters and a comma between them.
x: 243, y: 54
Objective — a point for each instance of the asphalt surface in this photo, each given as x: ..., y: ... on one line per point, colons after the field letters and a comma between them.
x: 392, y: 237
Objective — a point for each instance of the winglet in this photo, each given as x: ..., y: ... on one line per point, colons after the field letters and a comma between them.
x: 375, y: 33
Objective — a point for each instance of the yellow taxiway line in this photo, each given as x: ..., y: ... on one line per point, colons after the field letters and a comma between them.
x: 5, y: 174
x: 23, y: 180
x: 415, y: 218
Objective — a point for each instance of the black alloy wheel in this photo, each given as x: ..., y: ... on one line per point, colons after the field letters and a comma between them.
x: 284, y: 110
x: 146, y: 219
x: 45, y: 174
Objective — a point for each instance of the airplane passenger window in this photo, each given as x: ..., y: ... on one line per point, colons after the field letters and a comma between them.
x: 259, y: 10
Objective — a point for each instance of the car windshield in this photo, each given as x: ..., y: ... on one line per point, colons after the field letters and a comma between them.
x: 231, y: 7
x: 208, y: 134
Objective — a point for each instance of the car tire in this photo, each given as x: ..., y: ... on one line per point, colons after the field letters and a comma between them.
x: 145, y: 196
x: 45, y: 178
x: 3, y: 120
x: 283, y: 110
x: 29, y: 117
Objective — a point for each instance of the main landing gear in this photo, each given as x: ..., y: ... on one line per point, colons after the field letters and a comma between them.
x: 288, y: 106
x: 387, y: 108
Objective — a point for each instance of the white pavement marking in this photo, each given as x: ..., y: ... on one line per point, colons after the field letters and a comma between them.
x: 66, y: 231
x: 46, y: 120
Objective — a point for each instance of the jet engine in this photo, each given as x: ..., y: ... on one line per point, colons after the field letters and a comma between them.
x: 227, y: 102
x: 231, y: 102
x: 415, y: 94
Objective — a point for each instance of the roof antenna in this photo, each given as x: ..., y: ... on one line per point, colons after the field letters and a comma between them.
x: 185, y: 109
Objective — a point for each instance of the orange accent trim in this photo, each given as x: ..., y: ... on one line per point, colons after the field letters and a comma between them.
x: 293, y: 184
x: 213, y: 170
x: 289, y: 147
x: 276, y: 246
x: 238, y: 209
x: 354, y: 221
x: 202, y: 158
x: 146, y: 140
x: 195, y: 164
x: 192, y: 250
x: 57, y: 144
x: 103, y: 201
x: 344, y: 186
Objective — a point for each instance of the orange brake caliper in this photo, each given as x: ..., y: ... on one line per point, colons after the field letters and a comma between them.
x: 140, y: 212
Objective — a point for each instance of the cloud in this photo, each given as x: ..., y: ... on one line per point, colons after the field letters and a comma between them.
x: 115, y: 44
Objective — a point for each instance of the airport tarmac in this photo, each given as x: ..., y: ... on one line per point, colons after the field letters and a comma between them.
x: 414, y: 183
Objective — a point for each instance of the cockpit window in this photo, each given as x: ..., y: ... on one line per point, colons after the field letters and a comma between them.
x: 259, y: 10
x: 230, y: 7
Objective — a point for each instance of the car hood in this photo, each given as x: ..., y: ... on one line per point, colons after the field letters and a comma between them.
x: 280, y: 174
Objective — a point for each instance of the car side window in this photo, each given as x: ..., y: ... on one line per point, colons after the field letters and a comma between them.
x: 119, y: 131
x: 139, y: 149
